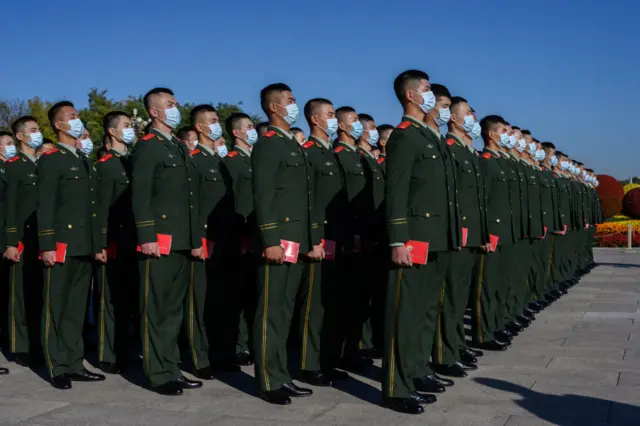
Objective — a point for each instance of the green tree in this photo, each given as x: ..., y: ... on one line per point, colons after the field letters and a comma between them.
x: 10, y: 111
x: 38, y: 109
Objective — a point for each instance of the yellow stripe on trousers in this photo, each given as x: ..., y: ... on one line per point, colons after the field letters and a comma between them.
x: 305, y: 336
x: 48, y: 321
x: 440, y: 321
x: 100, y: 357
x: 479, y: 299
x: 392, y: 359
x: 192, y: 291
x: 13, y: 306
x: 146, y: 318
x: 267, y: 385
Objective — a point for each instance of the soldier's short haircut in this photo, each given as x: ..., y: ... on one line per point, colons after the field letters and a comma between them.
x: 311, y: 106
x: 233, y: 121
x: 55, y: 109
x: 365, y: 117
x: 267, y: 92
x: 408, y: 80
x: 589, y: 170
x: 579, y: 163
x: 197, y: 110
x: 184, y: 132
x: 548, y: 145
x: 489, y: 123
x: 340, y: 112
x: 515, y: 128
x: 526, y: 132
x: 535, y: 140
x: 18, y: 125
x: 457, y: 100
x: 112, y: 119
x: 259, y: 127
x: 155, y: 91
x: 440, y: 91
x: 384, y: 128
x: 5, y: 133
x: 560, y: 154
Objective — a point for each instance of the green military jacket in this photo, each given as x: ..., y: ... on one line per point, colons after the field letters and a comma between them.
x: 563, y: 184
x: 373, y: 198
x: 283, y: 182
x: 116, y: 213
x: 215, y: 193
x: 548, y: 199
x: 67, y: 210
x: 521, y: 168
x: 355, y: 182
x: 577, y: 206
x: 331, y: 200
x: 588, y: 203
x: 419, y: 197
x: 3, y: 204
x: 515, y: 195
x: 471, y: 191
x: 22, y: 197
x: 243, y: 217
x: 536, y: 214
x: 165, y: 192
x: 499, y: 218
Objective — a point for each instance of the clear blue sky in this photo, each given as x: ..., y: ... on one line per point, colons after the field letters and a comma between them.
x: 567, y: 70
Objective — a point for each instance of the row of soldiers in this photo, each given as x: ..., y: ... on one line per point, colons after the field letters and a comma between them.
x: 359, y: 254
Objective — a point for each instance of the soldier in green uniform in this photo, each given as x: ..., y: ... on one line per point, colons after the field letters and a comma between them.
x: 561, y: 241
x: 384, y: 130
x: 283, y: 183
x: 596, y: 217
x: 417, y: 198
x: 117, y: 276
x: 452, y: 357
x: 69, y: 239
x: 25, y: 277
x: 320, y: 292
x: 170, y: 235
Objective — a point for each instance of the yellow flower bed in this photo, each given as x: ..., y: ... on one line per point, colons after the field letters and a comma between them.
x: 617, y: 227
x: 628, y: 187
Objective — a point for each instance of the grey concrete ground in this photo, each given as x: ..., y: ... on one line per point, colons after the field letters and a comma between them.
x: 578, y: 364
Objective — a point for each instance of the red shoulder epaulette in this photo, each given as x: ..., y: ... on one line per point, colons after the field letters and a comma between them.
x: 404, y: 125
x: 555, y: 176
x: 450, y: 141
x: 147, y: 137
x: 339, y: 149
x: 51, y: 151
x: 269, y: 133
x: 380, y: 160
x: 15, y: 158
x: 308, y: 144
x: 361, y: 152
x: 486, y: 155
x: 194, y: 152
x: 105, y: 158
x: 233, y: 153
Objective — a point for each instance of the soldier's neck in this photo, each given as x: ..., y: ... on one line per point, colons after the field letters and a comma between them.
x: 242, y: 145
x: 364, y: 145
x: 160, y: 125
x: 431, y: 122
x: 347, y: 140
x: 206, y: 141
x: 27, y: 150
x: 65, y: 139
x: 277, y: 121
x: 117, y: 146
x: 460, y: 134
x: 318, y: 133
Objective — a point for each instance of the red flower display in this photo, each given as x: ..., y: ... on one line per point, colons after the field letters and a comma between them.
x: 611, y: 194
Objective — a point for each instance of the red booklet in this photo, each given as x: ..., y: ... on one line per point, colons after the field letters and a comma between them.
x: 61, y: 252
x: 465, y: 234
x: 564, y: 231
x: 419, y: 251
x: 112, y: 250
x: 164, y: 242
x: 545, y: 232
x: 493, y: 239
x: 291, y: 250
x: 20, y: 247
x: 329, y: 247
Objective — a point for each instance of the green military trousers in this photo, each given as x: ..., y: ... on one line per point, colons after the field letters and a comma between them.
x: 277, y: 289
x: 25, y: 304
x: 517, y: 296
x: 375, y: 285
x: 509, y: 260
x: 164, y: 284
x: 194, y: 314
x: 66, y: 291
x: 490, y: 276
x: 351, y: 269
x: 453, y: 302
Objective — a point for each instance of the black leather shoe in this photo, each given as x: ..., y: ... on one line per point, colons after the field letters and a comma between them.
x: 61, y: 382
x: 443, y: 381
x: 423, y: 398
x: 535, y: 307
x: 466, y: 367
x: 429, y: 384
x: 276, y: 397
x: 185, y: 383
x: 403, y: 405
x: 22, y: 359
x: 205, y: 373
x: 474, y: 352
x: 524, y: 320
x: 243, y: 358
x: 86, y: 376
x: 503, y: 336
x: 468, y: 358
x: 4, y: 371
x: 542, y: 303
x: 514, y: 327
x: 109, y: 367
x: 225, y: 368
x: 357, y: 364
x: 451, y: 370
x: 529, y: 313
x: 371, y: 353
x: 171, y: 389
x: 316, y: 378
x: 337, y: 375
x: 494, y: 345
x: 292, y: 390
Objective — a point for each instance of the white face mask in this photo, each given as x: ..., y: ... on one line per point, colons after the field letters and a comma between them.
x: 76, y: 128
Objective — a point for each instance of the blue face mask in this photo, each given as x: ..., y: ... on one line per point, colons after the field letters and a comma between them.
x: 512, y: 142
x: 222, y: 150
x: 252, y: 137
x: 76, y: 128
x: 356, y: 130
x: 476, y: 131
x: 540, y: 155
x: 128, y: 135
x: 36, y: 140
x: 215, y: 131
x: 332, y: 127
x: 522, y: 144
x: 428, y: 101
x: 564, y: 165
x: 173, y: 117
x: 292, y: 114
x: 469, y: 123
x: 10, y: 152
x: 443, y: 117
x: 504, y: 140
x: 554, y: 161
x: 86, y: 146
x: 532, y: 149
x: 373, y: 138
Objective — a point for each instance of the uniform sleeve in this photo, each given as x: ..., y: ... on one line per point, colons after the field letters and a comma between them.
x: 265, y: 168
x: 48, y: 181
x: 400, y: 159
x: 105, y: 193
x: 317, y: 216
x: 144, y: 167
x: 11, y: 212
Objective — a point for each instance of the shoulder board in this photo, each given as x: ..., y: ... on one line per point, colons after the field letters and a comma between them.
x: 147, y: 137
x: 361, y: 152
x: 339, y: 149
x: 555, y: 176
x: 486, y: 155
x: 270, y: 133
x: 380, y: 160
x: 308, y: 144
x: 450, y: 141
x: 233, y: 153
x: 15, y: 158
x: 51, y: 151
x: 403, y: 125
x: 194, y: 152
x: 105, y: 158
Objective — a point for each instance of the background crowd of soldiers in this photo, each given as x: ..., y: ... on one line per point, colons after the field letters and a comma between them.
x: 287, y: 244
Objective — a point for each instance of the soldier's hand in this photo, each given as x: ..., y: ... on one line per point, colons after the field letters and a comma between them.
x: 317, y: 253
x: 151, y: 249
x: 49, y: 257
x: 274, y: 254
x: 198, y: 253
x: 486, y: 248
x: 12, y: 254
x: 401, y: 256
x: 102, y: 256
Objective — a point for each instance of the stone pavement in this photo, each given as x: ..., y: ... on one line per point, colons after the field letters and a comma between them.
x: 578, y: 364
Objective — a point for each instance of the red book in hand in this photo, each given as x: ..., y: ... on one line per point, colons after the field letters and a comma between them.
x: 61, y: 252
x: 419, y: 251
x: 112, y: 250
x: 493, y: 240
x: 20, y: 247
x: 545, y: 232
x: 564, y: 231
x: 329, y: 247
x: 465, y: 234
x: 291, y: 250
x: 164, y: 243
